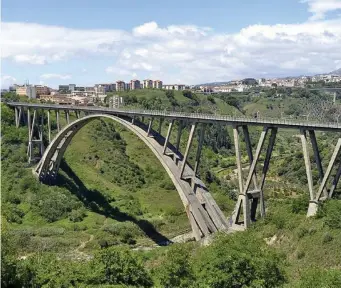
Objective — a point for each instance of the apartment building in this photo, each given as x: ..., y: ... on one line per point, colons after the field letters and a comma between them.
x: 147, y: 83
x: 135, y: 84
x: 174, y: 87
x: 120, y: 86
x: 106, y: 87
x: 72, y: 87
x: 100, y: 89
x: 42, y: 90
x: 157, y: 84
x: 26, y: 90
x: 116, y: 101
x: 58, y: 99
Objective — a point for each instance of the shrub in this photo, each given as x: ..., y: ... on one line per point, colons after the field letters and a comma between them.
x: 13, y: 213
x: 314, y: 277
x: 120, y: 266
x: 176, y: 269
x: 300, y: 204
x: 77, y: 215
x: 327, y: 237
x: 238, y: 261
x: 211, y: 99
x: 302, y: 231
x: 331, y: 213
x: 300, y: 254
x: 50, y: 231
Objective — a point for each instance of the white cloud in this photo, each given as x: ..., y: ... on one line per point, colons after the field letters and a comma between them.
x: 7, y: 80
x: 55, y: 76
x: 31, y: 59
x: 189, y: 54
x: 40, y: 44
x: 319, y: 8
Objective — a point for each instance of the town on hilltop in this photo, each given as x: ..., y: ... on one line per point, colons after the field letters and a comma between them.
x: 82, y: 95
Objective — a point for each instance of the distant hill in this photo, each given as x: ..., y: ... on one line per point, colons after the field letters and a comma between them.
x: 214, y: 83
x: 336, y: 72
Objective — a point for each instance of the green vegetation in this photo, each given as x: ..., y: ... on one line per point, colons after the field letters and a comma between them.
x: 112, y: 196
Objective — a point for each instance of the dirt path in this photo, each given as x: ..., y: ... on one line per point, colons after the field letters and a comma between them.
x: 83, y: 244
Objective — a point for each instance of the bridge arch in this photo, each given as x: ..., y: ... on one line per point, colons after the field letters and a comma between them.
x: 204, y: 214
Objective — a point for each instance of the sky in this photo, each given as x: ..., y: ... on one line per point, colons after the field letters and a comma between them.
x: 186, y: 42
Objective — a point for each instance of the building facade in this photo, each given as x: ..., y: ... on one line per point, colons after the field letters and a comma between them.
x: 147, y: 84
x: 120, y: 86
x: 42, y: 90
x: 27, y: 90
x: 157, y: 84
x: 135, y: 84
x: 116, y: 101
x: 174, y: 87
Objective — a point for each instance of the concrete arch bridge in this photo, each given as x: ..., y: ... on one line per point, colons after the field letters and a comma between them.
x: 203, y: 212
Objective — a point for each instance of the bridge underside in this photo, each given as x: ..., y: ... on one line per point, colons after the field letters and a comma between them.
x: 204, y: 214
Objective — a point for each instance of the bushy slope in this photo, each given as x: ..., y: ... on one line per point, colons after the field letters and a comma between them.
x: 101, y: 192
x: 112, y: 191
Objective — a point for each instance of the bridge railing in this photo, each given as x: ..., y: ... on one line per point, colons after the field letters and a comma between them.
x: 195, y: 116
x: 228, y: 118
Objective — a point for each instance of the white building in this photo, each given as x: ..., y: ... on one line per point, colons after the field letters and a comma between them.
x: 174, y: 87
x: 147, y: 83
x: 157, y: 84
x: 116, y: 101
x: 26, y: 90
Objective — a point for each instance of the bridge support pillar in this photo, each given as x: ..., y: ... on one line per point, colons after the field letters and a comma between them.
x: 49, y: 125
x: 316, y: 198
x: 254, y: 203
x: 328, y: 172
x: 67, y: 116
x: 312, y: 208
x: 201, y: 141
x: 243, y: 203
x: 160, y: 126
x: 335, y: 181
x: 168, y: 135
x: 150, y: 126
x: 57, y: 120
x: 41, y: 134
x: 266, y: 168
x: 317, y: 158
x: 189, y: 143
x: 178, y: 138
x: 307, y: 163
x: 19, y: 116
x: 16, y: 117
x: 30, y: 133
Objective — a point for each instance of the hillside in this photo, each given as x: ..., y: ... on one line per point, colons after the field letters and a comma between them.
x: 336, y: 72
x: 112, y: 196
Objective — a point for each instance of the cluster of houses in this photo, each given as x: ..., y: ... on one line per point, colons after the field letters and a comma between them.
x: 88, y: 95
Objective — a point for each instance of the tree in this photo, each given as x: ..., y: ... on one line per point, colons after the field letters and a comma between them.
x: 117, y: 265
x: 238, y: 261
x: 169, y: 94
x: 10, y: 97
x: 211, y: 99
x: 176, y: 270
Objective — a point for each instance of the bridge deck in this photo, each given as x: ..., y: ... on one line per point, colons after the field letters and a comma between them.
x: 194, y: 117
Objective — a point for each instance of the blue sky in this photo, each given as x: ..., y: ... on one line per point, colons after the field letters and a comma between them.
x: 87, y: 42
